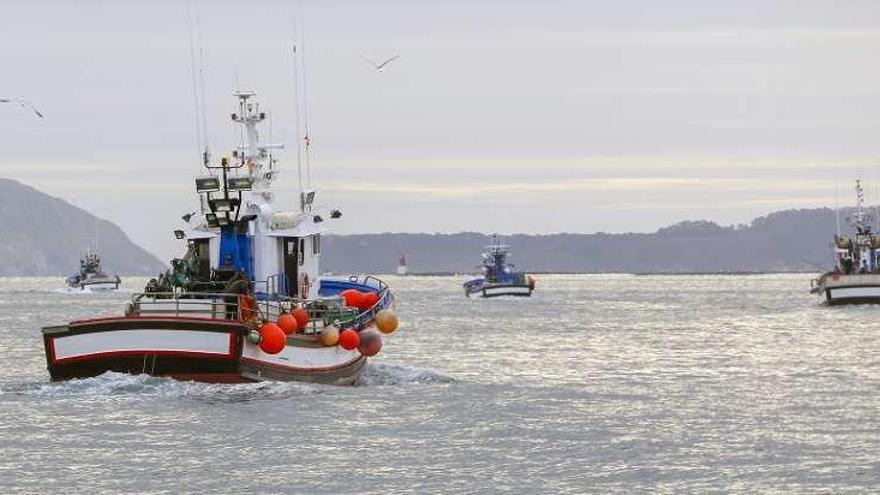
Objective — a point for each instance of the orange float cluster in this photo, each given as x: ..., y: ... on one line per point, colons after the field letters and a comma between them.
x: 294, y: 321
x: 273, y: 335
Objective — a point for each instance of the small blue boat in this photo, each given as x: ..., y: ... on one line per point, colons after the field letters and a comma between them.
x: 499, y: 277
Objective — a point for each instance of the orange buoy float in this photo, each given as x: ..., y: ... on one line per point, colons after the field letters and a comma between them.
x: 288, y: 324
x: 371, y: 343
x: 368, y: 300
x: 330, y: 335
x: 272, y: 338
x: 386, y: 321
x: 302, y: 317
x: 349, y: 339
x: 352, y: 297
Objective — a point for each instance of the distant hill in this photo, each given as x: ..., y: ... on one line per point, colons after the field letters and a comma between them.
x: 41, y: 235
x: 793, y: 240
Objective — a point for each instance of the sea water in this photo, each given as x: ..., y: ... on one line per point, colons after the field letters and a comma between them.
x: 596, y: 384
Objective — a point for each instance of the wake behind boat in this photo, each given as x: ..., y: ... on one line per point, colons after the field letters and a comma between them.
x: 91, y: 276
x: 499, y: 277
x: 855, y: 278
x: 246, y: 302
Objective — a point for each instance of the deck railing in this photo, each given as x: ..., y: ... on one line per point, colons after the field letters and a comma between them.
x: 215, y: 305
x: 328, y: 310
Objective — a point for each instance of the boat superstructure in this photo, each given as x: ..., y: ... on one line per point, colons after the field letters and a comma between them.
x: 498, y: 275
x: 855, y: 278
x: 246, y: 301
x: 91, y: 276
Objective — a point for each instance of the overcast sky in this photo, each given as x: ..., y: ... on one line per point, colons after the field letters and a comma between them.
x: 506, y: 116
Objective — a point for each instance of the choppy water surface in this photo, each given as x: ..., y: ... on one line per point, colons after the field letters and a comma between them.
x: 596, y: 384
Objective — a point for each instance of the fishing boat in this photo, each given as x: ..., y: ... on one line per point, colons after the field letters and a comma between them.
x: 246, y: 302
x: 91, y: 276
x: 855, y: 278
x: 498, y: 275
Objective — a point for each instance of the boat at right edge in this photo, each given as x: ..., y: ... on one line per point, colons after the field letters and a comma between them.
x: 855, y: 278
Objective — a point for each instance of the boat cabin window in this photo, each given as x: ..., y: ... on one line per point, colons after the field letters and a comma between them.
x: 302, y: 250
x: 290, y: 263
x: 316, y: 244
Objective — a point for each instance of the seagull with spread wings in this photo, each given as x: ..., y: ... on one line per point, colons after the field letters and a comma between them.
x: 22, y: 104
x: 380, y: 66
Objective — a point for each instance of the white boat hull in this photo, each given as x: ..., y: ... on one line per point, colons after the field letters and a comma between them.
x: 501, y: 290
x: 302, y: 360
x: 841, y: 289
x: 98, y: 286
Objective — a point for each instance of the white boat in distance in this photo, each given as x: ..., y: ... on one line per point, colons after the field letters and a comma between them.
x: 91, y: 276
x: 855, y: 278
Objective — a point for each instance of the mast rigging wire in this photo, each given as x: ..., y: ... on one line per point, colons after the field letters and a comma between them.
x: 207, y: 155
x: 305, y: 100
x: 296, y: 99
x: 195, y: 84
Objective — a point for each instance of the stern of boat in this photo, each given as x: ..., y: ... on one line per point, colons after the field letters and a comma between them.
x: 190, y: 339
x: 840, y: 289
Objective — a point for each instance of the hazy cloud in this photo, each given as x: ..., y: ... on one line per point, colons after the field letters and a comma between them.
x: 499, y: 115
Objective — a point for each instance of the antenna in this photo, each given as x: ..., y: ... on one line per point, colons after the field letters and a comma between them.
x: 305, y: 100
x: 861, y: 219
x: 296, y: 105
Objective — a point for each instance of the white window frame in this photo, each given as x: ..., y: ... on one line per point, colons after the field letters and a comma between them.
x: 316, y: 245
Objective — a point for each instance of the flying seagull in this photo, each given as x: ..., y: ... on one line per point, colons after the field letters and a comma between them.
x: 380, y: 66
x: 22, y: 104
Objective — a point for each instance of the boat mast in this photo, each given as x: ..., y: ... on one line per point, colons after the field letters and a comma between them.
x: 296, y: 109
x: 861, y: 220
x: 301, y: 103
x: 837, y: 208
x: 252, y: 154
